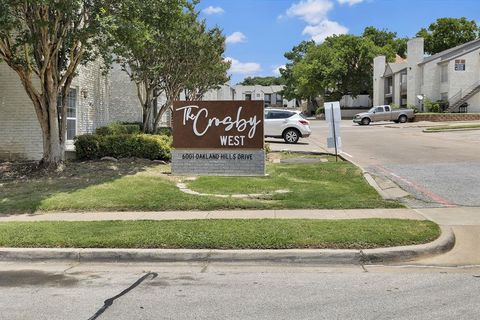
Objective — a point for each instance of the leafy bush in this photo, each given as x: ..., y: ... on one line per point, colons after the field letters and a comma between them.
x: 164, y: 131
x: 432, y: 107
x: 117, y: 128
x: 320, y: 110
x: 394, y: 106
x: 95, y: 146
x: 87, y: 146
x: 443, y: 104
x: 413, y: 107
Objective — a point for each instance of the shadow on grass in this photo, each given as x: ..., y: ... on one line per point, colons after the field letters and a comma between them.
x: 23, y: 188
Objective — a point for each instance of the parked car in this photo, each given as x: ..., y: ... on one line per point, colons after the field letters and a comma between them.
x: 287, y: 124
x: 384, y: 113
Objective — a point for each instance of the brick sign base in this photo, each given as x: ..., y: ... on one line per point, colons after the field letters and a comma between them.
x: 216, y: 162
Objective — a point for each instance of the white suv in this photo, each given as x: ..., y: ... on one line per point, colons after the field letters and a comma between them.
x: 287, y: 124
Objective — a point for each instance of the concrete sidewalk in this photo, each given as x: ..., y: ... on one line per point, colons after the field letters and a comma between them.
x: 237, y: 214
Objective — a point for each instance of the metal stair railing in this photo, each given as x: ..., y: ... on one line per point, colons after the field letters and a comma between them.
x: 459, y: 98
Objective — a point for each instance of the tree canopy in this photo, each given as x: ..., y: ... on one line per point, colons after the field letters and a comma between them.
x: 342, y: 65
x: 447, y: 33
x: 44, y: 41
x: 262, y: 81
x: 165, y: 49
x: 384, y: 38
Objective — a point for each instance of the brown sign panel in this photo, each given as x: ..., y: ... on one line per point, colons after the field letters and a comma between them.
x: 218, y: 124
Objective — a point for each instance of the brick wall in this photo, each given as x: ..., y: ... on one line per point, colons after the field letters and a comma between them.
x: 20, y: 133
x: 440, y: 117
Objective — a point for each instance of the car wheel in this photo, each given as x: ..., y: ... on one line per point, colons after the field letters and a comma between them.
x: 291, y: 135
x: 366, y: 121
x: 402, y: 119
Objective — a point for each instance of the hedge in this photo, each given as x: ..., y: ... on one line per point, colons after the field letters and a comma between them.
x: 117, y: 128
x: 95, y: 146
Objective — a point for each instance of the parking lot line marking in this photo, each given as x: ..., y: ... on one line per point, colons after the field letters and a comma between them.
x: 435, y: 197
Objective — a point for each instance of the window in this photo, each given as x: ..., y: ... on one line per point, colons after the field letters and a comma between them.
x: 444, y: 73
x: 268, y: 98
x: 421, y: 75
x: 71, y: 113
x: 248, y: 96
x: 280, y: 114
x: 389, y: 85
x: 379, y: 109
x: 387, y: 109
x: 279, y: 98
x: 460, y: 65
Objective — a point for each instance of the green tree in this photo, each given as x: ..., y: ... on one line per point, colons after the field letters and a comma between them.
x: 44, y: 41
x: 383, y: 38
x: 290, y: 90
x: 447, y: 33
x: 164, y: 49
x: 210, y: 70
x: 262, y: 81
x: 342, y: 65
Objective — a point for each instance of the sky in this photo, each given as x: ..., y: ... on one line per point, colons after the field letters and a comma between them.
x: 259, y: 32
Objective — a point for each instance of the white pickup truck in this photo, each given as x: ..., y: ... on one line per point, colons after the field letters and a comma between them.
x: 384, y: 113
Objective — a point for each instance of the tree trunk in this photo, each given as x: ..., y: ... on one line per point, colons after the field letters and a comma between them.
x: 53, y: 145
x: 46, y: 108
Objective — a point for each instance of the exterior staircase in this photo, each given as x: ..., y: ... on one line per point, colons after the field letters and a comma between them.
x: 456, y: 101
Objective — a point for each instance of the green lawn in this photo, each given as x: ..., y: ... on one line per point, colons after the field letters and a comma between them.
x: 220, y: 234
x: 472, y: 126
x: 144, y: 185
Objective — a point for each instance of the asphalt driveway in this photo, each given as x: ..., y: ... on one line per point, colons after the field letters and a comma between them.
x: 438, y: 169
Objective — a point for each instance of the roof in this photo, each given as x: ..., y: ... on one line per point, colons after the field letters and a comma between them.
x: 453, y: 52
x: 392, y: 68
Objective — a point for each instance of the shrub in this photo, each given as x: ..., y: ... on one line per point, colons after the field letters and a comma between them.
x: 320, y: 110
x: 117, y: 128
x: 94, y: 146
x: 164, y: 131
x: 413, y: 107
x: 394, y: 106
x: 432, y: 106
x: 268, y: 149
x: 87, y: 146
x: 443, y: 104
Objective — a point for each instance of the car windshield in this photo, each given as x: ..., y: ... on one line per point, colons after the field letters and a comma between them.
x: 372, y: 110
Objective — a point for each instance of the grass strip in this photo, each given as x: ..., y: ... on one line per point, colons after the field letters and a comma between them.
x: 220, y: 234
x: 453, y: 127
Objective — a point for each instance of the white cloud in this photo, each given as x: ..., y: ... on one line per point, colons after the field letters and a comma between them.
x: 213, y: 10
x: 238, y: 67
x: 315, y: 14
x: 311, y: 11
x: 276, y: 70
x: 350, y: 2
x: 324, y: 29
x: 236, y: 37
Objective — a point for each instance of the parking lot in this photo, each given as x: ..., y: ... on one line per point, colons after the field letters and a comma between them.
x: 438, y: 169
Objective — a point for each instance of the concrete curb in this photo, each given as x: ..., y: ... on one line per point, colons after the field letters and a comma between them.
x: 324, y: 256
x: 443, y: 244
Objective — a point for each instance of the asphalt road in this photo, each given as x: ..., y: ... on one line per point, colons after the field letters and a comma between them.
x: 119, y: 292
x: 438, y: 169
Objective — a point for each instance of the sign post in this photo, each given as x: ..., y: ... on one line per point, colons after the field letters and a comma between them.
x: 218, y: 138
x: 333, y: 116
